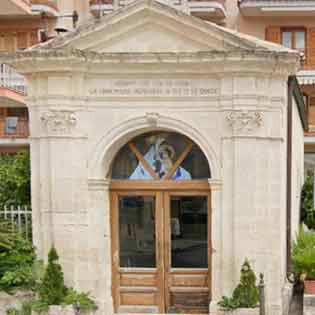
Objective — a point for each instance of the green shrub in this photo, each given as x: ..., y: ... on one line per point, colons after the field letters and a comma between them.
x: 27, y: 308
x: 40, y: 307
x: 13, y: 311
x: 307, y: 203
x: 15, y: 179
x: 7, y: 235
x: 50, y: 288
x: 53, y: 290
x: 17, y: 266
x: 303, y: 254
x: 82, y: 299
x: 246, y: 294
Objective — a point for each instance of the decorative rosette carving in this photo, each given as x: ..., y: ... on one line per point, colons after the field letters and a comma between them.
x: 244, y: 120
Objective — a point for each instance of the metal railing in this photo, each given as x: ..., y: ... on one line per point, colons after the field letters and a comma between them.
x: 21, y: 219
x: 50, y: 3
x: 12, y: 80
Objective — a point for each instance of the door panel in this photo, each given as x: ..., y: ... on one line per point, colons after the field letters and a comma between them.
x: 137, y: 286
x: 160, y: 253
x: 137, y: 232
x: 187, y: 253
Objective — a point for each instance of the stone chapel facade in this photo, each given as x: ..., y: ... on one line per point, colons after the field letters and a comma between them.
x: 159, y: 147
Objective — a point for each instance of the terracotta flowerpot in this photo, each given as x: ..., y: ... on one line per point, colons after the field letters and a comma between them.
x: 309, y: 287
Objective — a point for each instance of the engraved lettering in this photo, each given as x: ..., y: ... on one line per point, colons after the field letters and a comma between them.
x: 154, y: 87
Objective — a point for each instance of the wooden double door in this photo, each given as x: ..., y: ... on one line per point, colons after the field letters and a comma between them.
x: 161, y: 251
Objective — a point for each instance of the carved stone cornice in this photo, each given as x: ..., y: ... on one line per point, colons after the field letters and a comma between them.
x: 59, y: 121
x: 54, y: 60
x: 244, y: 120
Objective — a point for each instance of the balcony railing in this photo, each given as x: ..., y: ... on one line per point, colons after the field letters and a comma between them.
x: 206, y: 9
x: 12, y: 80
x: 277, y: 7
x: 50, y: 7
x: 14, y: 127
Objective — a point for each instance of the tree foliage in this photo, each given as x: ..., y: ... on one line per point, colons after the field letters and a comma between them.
x: 303, y: 254
x: 15, y: 179
x: 307, y: 203
x: 17, y: 264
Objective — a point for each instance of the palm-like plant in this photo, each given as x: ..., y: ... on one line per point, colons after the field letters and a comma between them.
x: 7, y: 235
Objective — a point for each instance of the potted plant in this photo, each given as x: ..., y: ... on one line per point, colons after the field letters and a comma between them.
x: 245, y: 297
x: 303, y: 259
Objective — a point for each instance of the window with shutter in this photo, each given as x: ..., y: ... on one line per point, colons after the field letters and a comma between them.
x: 21, y: 40
x: 9, y: 42
x: 311, y: 47
x: 34, y: 38
x: 312, y: 100
x: 294, y: 38
x: 273, y: 34
x: 311, y: 111
x: 2, y: 42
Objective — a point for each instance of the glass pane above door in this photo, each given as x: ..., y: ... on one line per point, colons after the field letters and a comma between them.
x: 160, y: 155
x: 137, y: 231
x: 189, y: 231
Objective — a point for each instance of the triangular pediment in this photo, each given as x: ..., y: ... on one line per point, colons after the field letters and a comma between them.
x: 150, y: 37
x: 149, y: 26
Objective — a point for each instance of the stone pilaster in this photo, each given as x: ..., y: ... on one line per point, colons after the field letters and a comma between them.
x: 99, y: 244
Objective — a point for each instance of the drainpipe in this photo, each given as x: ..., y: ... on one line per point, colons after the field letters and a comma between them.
x: 289, y: 180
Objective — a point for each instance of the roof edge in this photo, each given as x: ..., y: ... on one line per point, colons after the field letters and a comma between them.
x: 299, y: 100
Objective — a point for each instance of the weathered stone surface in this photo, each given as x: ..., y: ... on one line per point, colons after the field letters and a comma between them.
x: 88, y: 98
x: 217, y: 310
x: 16, y: 300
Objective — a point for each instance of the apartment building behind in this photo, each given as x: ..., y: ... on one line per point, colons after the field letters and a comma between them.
x: 24, y: 23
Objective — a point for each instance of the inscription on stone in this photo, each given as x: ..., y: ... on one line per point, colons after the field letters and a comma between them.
x: 154, y: 87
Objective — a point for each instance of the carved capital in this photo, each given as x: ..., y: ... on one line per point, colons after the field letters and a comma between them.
x: 59, y: 121
x: 98, y: 184
x: 152, y: 118
x: 244, y: 120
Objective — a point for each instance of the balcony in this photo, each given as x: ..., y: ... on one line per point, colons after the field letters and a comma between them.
x: 12, y: 80
x: 102, y: 7
x: 277, y: 8
x: 50, y: 7
x: 208, y: 9
x: 12, y: 87
x: 15, y: 7
x: 14, y: 128
x: 205, y: 9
